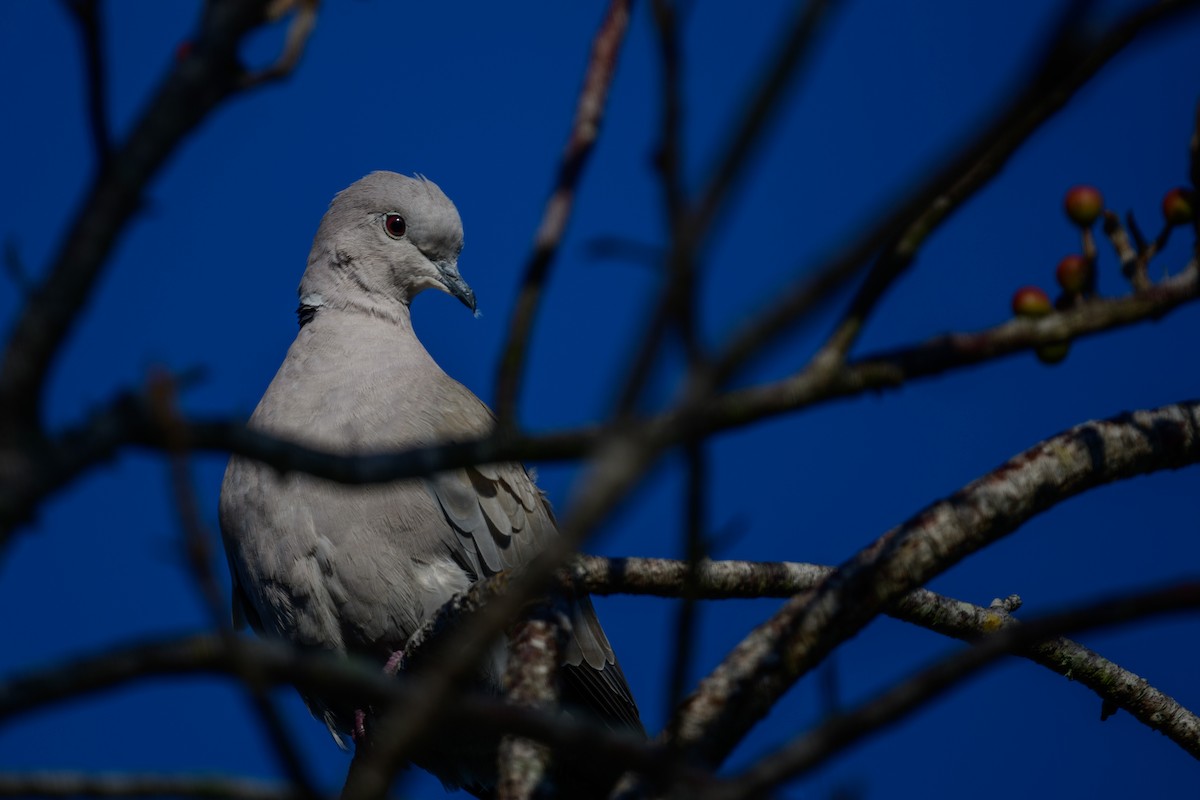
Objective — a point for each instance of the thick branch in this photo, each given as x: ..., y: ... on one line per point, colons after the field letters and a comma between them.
x: 778, y: 652
x: 872, y: 716
x: 55, y: 783
x: 531, y: 680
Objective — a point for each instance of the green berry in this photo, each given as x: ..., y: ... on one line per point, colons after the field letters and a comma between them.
x: 1053, y: 353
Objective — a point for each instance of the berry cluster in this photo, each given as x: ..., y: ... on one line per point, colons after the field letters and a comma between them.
x: 1076, y: 273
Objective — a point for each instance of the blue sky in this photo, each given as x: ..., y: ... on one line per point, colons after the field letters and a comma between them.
x: 479, y: 96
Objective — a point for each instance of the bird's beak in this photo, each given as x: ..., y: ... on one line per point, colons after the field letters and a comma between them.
x: 455, y: 284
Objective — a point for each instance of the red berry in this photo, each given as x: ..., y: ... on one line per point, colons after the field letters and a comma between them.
x: 183, y: 50
x: 1074, y: 273
x: 1083, y: 205
x: 1030, y: 301
x: 1177, y: 206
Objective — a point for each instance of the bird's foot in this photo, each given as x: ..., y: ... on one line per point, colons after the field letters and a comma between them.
x: 359, y: 733
x: 394, y: 663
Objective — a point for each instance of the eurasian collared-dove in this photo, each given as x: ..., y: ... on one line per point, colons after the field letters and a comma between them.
x: 358, y: 569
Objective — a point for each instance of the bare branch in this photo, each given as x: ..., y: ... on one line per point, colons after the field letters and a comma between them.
x: 824, y: 382
x: 330, y: 676
x: 197, y: 85
x: 298, y: 33
x: 689, y: 226
x: 781, y: 73
x: 88, y: 18
x: 197, y: 546
x: 903, y: 229
x: 752, y: 677
x: 33, y: 473
x: 871, y: 717
x: 531, y: 680
x: 945, y: 615
x: 586, y: 128
x: 57, y: 783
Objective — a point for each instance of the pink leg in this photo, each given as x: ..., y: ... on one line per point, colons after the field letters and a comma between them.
x: 394, y: 663
x: 359, y: 735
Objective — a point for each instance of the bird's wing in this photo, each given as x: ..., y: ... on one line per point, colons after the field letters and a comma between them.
x: 502, y: 520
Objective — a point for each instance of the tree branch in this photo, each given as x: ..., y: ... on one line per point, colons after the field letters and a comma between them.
x: 57, y: 783
x: 197, y: 84
x: 87, y: 14
x: 903, y: 229
x: 329, y: 675
x: 586, y: 128
x: 720, y: 580
x: 872, y: 716
x: 768, y: 661
x: 29, y: 475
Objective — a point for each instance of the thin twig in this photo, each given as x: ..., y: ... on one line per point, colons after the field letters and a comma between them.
x: 197, y: 546
x: 295, y: 41
x: 782, y: 72
x: 89, y: 19
x: 694, y: 552
x: 678, y: 293
x: 589, y: 113
x: 195, y: 87
x: 692, y: 225
x: 903, y: 229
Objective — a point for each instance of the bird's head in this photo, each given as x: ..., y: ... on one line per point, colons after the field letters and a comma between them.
x: 384, y: 239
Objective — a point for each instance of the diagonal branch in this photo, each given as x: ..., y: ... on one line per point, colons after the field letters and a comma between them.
x: 781, y: 73
x: 892, y: 705
x: 584, y: 131
x: 908, y: 224
x: 768, y: 661
x: 825, y: 381
x: 1067, y: 67
x: 197, y: 546
x: 196, y: 85
x: 689, y: 226
x: 87, y: 14
x: 945, y: 615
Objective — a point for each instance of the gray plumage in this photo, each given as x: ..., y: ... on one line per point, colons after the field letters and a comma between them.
x: 358, y: 569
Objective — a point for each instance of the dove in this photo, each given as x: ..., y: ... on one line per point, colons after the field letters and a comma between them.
x: 358, y: 569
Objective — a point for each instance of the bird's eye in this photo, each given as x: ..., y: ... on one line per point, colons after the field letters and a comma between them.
x: 394, y: 225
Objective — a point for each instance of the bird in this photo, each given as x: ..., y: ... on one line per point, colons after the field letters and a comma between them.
x: 356, y: 570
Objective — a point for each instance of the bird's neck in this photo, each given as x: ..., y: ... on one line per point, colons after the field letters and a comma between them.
x: 372, y: 306
x: 342, y: 286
